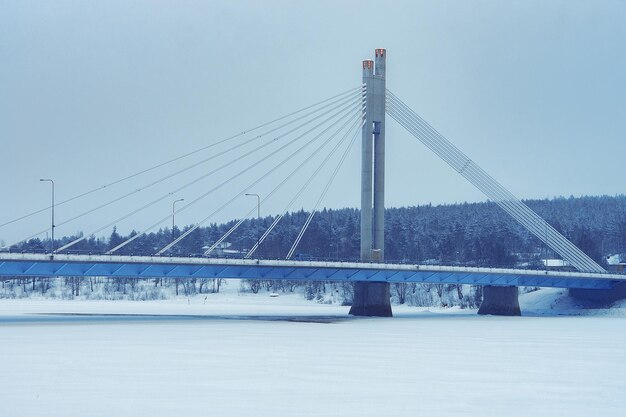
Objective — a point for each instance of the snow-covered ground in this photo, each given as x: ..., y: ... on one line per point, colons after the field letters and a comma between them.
x: 255, y: 355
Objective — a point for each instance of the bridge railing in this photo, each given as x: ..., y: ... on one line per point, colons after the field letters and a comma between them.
x: 522, y: 265
x: 268, y: 263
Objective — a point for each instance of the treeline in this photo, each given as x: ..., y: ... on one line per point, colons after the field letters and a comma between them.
x: 478, y: 234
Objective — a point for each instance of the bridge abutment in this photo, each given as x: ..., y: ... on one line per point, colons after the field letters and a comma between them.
x: 500, y: 301
x: 601, y: 297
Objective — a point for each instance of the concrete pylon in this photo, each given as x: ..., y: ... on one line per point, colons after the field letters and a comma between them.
x: 373, y: 298
x: 500, y: 301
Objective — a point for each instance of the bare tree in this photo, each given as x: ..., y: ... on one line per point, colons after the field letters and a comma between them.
x: 402, y: 290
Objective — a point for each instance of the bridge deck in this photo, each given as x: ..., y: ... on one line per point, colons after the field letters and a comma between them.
x: 27, y: 265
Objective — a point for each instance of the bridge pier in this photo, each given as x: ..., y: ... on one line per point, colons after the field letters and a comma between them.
x: 373, y: 298
x: 500, y: 301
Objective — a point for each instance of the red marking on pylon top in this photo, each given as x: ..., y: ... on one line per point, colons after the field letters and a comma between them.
x: 380, y: 52
x: 368, y: 64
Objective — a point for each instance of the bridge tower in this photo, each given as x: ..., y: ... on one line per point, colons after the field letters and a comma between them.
x: 373, y: 298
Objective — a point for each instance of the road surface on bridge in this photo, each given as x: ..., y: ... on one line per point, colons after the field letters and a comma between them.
x: 143, y: 267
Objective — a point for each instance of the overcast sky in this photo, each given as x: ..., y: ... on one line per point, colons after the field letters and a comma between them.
x: 533, y: 91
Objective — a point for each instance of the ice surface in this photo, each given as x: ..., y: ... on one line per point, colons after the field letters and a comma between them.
x: 235, y: 355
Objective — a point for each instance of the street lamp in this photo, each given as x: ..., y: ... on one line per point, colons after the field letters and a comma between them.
x: 258, y: 218
x: 174, y: 212
x: 52, y: 242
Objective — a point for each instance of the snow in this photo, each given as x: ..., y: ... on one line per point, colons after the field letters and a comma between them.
x: 554, y: 263
x: 554, y: 301
x: 614, y: 259
x: 256, y: 355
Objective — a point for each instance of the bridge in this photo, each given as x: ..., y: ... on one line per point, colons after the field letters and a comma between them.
x: 143, y: 267
x: 342, y: 116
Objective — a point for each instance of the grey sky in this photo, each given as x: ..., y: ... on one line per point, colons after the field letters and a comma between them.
x: 533, y: 91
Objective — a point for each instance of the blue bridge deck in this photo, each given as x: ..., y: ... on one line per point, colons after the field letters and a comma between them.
x: 143, y: 267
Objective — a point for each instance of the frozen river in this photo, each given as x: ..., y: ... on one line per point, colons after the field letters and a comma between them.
x: 268, y: 357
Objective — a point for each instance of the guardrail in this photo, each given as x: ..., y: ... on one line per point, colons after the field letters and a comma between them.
x: 173, y: 260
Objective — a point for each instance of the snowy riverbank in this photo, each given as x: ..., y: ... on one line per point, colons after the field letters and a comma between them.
x: 230, y: 301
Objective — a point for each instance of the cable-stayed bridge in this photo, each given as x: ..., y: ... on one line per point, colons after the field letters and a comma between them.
x: 313, y: 141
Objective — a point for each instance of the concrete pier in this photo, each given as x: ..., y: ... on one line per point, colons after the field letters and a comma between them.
x: 500, y: 301
x: 371, y: 299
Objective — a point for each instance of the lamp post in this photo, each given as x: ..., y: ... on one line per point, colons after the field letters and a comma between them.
x: 174, y: 212
x: 52, y: 207
x: 258, y: 218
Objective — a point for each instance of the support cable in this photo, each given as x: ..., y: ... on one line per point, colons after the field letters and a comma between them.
x: 342, y: 107
x: 102, y: 187
x: 485, y: 188
x: 507, y: 203
x: 506, y: 200
x: 226, y: 182
x: 206, y: 175
x: 319, y: 200
x: 240, y: 222
x: 299, y: 193
x: 232, y: 178
x: 479, y: 178
x: 342, y: 102
x: 190, y: 230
